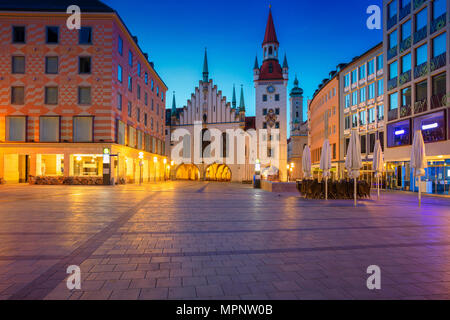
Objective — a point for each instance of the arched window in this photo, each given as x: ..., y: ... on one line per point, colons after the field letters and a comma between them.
x: 206, y: 141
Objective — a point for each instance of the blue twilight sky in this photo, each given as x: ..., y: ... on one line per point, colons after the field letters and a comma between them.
x: 316, y: 36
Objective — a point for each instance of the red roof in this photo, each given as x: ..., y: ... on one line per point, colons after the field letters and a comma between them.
x: 270, y: 36
x: 277, y: 71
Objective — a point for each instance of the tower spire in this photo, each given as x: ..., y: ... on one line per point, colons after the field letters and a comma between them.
x: 256, y: 66
x: 233, y: 102
x: 174, y: 106
x: 285, y: 63
x: 205, y: 68
x: 270, y: 35
x: 241, y: 102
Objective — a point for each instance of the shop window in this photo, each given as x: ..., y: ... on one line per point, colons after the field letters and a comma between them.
x: 16, y: 128
x: 399, y: 134
x: 87, y: 165
x: 83, y: 128
x: 49, y: 129
x: 432, y: 126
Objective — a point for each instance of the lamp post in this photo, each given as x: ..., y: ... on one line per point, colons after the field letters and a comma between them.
x: 165, y: 161
x: 155, y: 160
x: 141, y: 163
x: 257, y: 176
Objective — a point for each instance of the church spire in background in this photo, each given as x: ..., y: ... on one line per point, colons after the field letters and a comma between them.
x: 233, y: 102
x: 242, y: 103
x: 205, y: 68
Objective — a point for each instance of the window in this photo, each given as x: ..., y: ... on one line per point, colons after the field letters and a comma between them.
x: 152, y: 105
x: 398, y: 134
x: 18, y: 64
x: 421, y: 55
x: 347, y: 80
x: 162, y: 95
x: 51, y: 95
x: 393, y: 39
x: 17, y: 95
x: 84, y: 65
x: 146, y: 98
x: 406, y: 63
x: 406, y: 97
x: 406, y: 30
x: 432, y: 126
x: 139, y: 92
x: 421, y: 91
x: 362, y: 94
x: 264, y: 125
x: 277, y: 97
x: 347, y: 122
x: 86, y: 35
x: 138, y: 112
x: 421, y: 20
x: 371, y: 89
x: 151, y: 123
x: 18, y: 35
x: 139, y: 69
x: 362, y: 71
x: 130, y: 109
x: 393, y: 70
x: 130, y: 58
x: 354, y: 120
x: 393, y: 101
x: 146, y: 78
x: 119, y: 101
x: 264, y: 111
x: 405, y: 3
x: 439, y: 45
x: 157, y: 91
x: 84, y: 95
x: 347, y: 101
x: 363, y: 144
x: 83, y: 129
x: 120, y: 46
x: 49, y: 129
x: 371, y: 112
x: 372, y: 139
x: 52, y: 35
x: 119, y: 73
x: 51, y: 65
x: 145, y: 119
x: 362, y: 117
x: 153, y: 85
x: 120, y: 132
x: 380, y: 112
x: 371, y: 67
x: 130, y: 84
x: 439, y: 87
x: 380, y: 87
x: 16, y: 128
x: 392, y: 9
x: 439, y: 8
x: 264, y: 97
x: 380, y: 62
x: 354, y: 98
x: 354, y: 76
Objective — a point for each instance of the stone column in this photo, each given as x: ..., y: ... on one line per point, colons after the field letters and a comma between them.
x: 32, y: 169
x: 67, y: 164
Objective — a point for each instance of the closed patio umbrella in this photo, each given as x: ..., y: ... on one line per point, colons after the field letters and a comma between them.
x: 378, y: 164
x: 418, y: 161
x: 353, y: 161
x: 325, y: 164
x: 306, y: 163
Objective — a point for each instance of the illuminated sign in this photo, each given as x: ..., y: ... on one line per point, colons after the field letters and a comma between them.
x: 399, y: 132
x: 106, y: 151
x: 430, y: 126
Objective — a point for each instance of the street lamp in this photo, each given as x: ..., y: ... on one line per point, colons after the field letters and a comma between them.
x: 141, y: 163
x: 164, y: 161
x: 155, y: 159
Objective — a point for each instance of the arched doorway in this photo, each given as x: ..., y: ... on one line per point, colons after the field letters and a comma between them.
x: 218, y: 172
x: 188, y: 172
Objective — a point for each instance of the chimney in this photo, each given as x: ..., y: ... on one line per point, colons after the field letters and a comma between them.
x: 135, y: 38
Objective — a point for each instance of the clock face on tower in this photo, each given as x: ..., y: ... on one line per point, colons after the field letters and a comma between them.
x: 270, y: 89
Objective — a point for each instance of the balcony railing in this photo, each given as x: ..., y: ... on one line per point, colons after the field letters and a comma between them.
x: 391, y: 22
x: 418, y: 3
x: 392, y: 114
x: 420, y: 35
x: 438, y: 23
x: 405, y: 44
x: 405, y: 111
x: 404, y: 11
x: 421, y: 70
x: 392, y: 52
x: 392, y: 84
x: 439, y: 100
x: 438, y: 61
x: 420, y: 106
x: 404, y: 77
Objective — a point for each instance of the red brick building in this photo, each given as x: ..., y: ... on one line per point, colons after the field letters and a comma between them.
x: 65, y: 95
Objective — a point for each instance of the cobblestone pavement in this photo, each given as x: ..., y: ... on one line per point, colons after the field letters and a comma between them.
x: 187, y: 240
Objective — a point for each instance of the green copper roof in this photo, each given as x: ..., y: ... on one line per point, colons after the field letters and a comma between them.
x: 242, y: 103
x: 174, y: 105
x: 285, y: 63
x: 296, y: 90
x: 233, y: 102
